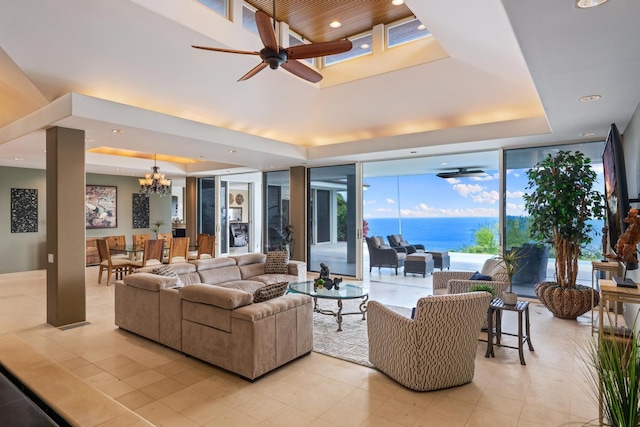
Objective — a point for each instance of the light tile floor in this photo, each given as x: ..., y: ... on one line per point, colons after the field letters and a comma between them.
x: 169, y: 389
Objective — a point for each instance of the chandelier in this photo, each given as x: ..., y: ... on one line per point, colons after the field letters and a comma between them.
x: 155, y: 182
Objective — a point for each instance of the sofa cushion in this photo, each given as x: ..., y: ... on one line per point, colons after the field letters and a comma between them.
x: 215, y: 276
x: 250, y: 259
x: 249, y: 286
x: 226, y: 298
x: 277, y: 262
x: 149, y: 281
x: 268, y: 279
x: 268, y: 292
x: 167, y: 270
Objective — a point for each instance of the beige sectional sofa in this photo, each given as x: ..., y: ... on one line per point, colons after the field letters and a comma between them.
x: 213, y: 316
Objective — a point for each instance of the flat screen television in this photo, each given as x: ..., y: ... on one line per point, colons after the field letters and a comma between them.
x: 615, y: 186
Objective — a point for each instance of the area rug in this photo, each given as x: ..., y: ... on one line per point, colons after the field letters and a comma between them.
x: 351, y: 344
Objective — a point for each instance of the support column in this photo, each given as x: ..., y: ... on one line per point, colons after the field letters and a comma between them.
x: 298, y: 210
x: 191, y: 209
x: 65, y: 226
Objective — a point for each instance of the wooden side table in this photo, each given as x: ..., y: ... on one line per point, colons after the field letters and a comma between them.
x: 496, y: 307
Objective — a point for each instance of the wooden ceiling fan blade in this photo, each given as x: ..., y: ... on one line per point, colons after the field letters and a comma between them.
x: 255, y: 70
x: 315, y: 50
x: 217, y: 49
x: 267, y: 34
x: 302, y: 71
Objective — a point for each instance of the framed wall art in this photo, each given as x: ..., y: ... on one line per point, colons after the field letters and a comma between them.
x: 140, y: 211
x: 101, y: 206
x: 24, y: 210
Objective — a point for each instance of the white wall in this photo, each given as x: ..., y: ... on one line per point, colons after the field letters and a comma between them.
x: 631, y: 147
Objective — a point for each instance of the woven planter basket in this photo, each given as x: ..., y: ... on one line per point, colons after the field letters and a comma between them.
x: 566, y: 303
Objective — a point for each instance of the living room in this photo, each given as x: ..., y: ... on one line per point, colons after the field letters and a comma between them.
x: 350, y: 394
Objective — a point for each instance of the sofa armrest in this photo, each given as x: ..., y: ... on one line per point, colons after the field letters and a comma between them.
x: 218, y: 296
x: 298, y: 268
x: 149, y: 281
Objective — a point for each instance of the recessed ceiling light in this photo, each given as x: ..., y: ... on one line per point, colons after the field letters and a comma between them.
x: 117, y: 131
x: 18, y: 159
x: 232, y: 151
x: 421, y: 27
x: 413, y: 152
x: 588, y: 98
x: 587, y: 134
x: 585, y: 4
x: 335, y: 24
x: 397, y: 2
x: 90, y: 140
x: 364, y: 46
x: 200, y: 157
x: 444, y: 163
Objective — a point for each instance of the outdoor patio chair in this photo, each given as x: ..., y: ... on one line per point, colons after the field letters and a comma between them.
x: 492, y: 273
x: 397, y: 242
x: 436, y: 349
x: 381, y: 255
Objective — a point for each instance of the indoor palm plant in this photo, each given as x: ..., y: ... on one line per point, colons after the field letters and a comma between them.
x: 561, y: 203
x: 509, y: 260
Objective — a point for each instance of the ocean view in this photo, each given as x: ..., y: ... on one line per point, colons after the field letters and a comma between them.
x: 441, y: 233
x: 438, y: 234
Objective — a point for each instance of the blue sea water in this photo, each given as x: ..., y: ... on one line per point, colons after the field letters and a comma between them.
x: 437, y: 234
x: 443, y: 233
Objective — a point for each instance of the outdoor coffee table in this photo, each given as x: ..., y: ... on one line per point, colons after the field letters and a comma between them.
x: 346, y: 291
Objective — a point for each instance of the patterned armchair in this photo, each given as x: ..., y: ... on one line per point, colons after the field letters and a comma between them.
x: 381, y: 255
x: 455, y: 282
x: 436, y: 349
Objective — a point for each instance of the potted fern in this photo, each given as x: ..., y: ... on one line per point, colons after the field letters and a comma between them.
x: 561, y: 204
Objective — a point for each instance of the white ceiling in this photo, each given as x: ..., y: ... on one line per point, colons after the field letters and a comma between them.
x: 512, y: 76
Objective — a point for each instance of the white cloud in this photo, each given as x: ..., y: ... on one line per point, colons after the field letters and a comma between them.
x: 466, y: 189
x: 486, y: 178
x: 391, y: 201
x: 386, y: 210
x: 424, y: 211
x: 516, y: 174
x: 514, y: 194
x: 452, y: 180
x: 486, y: 197
x: 370, y: 202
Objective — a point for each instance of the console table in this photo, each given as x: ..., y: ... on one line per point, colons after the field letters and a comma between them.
x: 611, y: 268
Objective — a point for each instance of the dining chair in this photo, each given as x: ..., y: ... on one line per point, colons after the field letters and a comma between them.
x: 138, y: 242
x: 117, y: 242
x: 152, y: 254
x: 206, y: 248
x: 119, y: 266
x: 178, y: 251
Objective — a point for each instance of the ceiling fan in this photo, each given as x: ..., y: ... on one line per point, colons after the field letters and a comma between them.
x: 275, y: 56
x: 461, y: 173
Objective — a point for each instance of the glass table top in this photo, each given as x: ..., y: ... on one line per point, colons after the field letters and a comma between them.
x: 346, y: 291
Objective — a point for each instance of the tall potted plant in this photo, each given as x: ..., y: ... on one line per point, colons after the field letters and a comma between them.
x: 561, y: 203
x: 509, y: 260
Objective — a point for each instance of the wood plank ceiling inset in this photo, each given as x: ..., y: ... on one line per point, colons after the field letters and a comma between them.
x: 311, y: 18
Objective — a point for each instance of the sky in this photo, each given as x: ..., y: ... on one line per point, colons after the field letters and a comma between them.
x: 423, y: 196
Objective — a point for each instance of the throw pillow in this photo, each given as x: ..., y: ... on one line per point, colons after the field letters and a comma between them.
x: 479, y: 276
x: 268, y: 292
x: 277, y: 262
x: 167, y: 270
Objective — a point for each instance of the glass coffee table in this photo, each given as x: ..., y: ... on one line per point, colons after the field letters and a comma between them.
x: 346, y: 291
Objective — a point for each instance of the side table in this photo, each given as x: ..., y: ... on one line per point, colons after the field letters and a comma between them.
x: 496, y: 307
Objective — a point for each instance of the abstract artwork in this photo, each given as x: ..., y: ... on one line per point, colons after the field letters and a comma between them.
x: 140, y: 211
x: 24, y: 210
x: 101, y: 206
